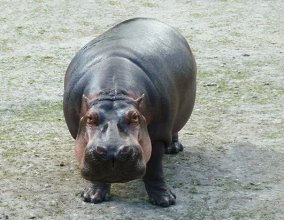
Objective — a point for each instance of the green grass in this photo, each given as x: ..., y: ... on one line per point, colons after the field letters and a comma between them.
x: 236, y: 34
x: 29, y: 126
x: 149, y: 4
x: 4, y: 45
x: 41, y: 111
x: 275, y: 134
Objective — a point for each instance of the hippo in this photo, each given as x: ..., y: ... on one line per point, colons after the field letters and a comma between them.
x: 127, y: 94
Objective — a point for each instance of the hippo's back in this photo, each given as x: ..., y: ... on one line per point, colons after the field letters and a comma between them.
x: 149, y: 43
x: 157, y: 49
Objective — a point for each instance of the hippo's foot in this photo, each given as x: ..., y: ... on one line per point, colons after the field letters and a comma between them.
x: 96, y: 193
x: 174, y: 148
x: 160, y: 195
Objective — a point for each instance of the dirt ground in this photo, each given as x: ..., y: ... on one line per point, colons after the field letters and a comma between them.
x: 233, y: 163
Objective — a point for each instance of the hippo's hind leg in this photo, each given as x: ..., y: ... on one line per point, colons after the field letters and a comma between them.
x: 97, y: 192
x: 175, y: 146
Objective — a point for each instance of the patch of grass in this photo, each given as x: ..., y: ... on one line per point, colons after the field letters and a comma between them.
x: 261, y: 94
x: 27, y: 57
x: 196, y: 15
x: 32, y: 123
x: 225, y: 41
x: 243, y: 215
x: 48, y: 59
x: 64, y: 30
x: 87, y: 23
x: 274, y: 135
x: 239, y: 75
x: 113, y: 2
x: 150, y: 4
x: 5, y: 45
x: 203, y: 74
x: 192, y: 190
x: 42, y: 31
x: 43, y: 111
x: 56, y: 38
x: 229, y: 184
x: 253, y: 186
x: 224, y: 87
x: 236, y: 34
x: 19, y: 29
x: 13, y: 152
x: 228, y: 1
x: 189, y: 38
x: 32, y: 81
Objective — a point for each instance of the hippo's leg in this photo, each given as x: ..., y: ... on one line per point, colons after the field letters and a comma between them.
x: 97, y: 192
x: 158, y: 192
x: 175, y: 146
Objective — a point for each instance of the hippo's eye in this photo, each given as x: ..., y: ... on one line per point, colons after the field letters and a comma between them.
x: 132, y: 117
x: 93, y: 119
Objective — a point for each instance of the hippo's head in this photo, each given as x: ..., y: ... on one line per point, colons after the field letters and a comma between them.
x: 112, y: 144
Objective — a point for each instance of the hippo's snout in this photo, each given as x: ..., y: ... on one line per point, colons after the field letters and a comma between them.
x: 113, y: 163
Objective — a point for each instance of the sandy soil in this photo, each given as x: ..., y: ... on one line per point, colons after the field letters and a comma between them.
x: 232, y: 165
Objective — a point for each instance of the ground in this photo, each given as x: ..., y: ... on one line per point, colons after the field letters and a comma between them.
x: 232, y: 164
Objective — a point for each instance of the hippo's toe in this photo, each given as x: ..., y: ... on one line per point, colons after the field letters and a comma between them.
x: 159, y: 194
x: 96, y: 193
x: 162, y: 198
x: 174, y: 148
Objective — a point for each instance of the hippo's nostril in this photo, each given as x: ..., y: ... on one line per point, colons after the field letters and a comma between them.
x: 100, y: 150
x: 124, y: 150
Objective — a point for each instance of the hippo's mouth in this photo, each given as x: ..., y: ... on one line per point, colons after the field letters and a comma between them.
x: 107, y: 173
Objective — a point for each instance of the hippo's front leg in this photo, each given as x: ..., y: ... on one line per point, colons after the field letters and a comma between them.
x: 159, y: 193
x: 97, y: 192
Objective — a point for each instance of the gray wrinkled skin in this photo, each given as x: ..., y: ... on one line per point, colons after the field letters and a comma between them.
x: 233, y: 145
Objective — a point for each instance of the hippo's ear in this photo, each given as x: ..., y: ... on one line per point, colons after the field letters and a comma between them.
x: 85, y: 104
x: 139, y: 101
x: 85, y: 98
